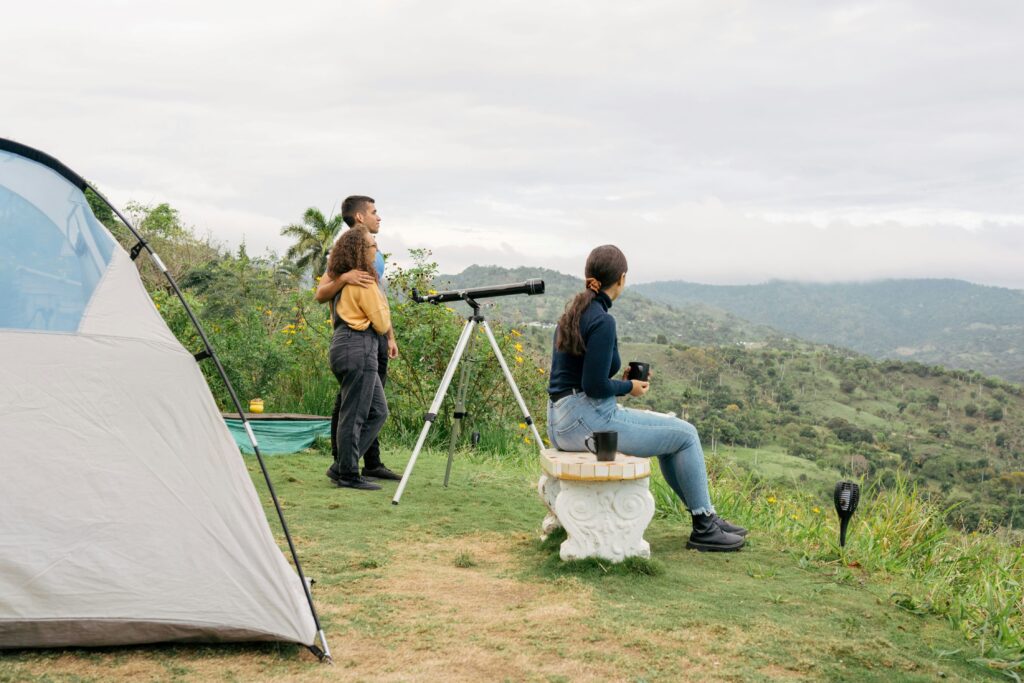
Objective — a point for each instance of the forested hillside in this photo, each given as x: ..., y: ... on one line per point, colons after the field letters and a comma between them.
x: 959, y: 434
x: 944, y: 322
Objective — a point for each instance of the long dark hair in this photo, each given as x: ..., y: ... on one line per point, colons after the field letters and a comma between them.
x: 349, y: 253
x: 605, y: 265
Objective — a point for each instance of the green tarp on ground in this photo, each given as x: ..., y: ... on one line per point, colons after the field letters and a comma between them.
x: 279, y: 434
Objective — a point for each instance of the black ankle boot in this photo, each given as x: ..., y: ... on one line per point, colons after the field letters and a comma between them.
x: 708, y: 536
x: 729, y: 527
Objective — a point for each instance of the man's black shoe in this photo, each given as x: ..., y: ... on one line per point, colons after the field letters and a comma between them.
x: 360, y: 483
x: 382, y: 472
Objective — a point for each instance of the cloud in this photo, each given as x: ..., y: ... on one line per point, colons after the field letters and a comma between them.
x: 722, y: 142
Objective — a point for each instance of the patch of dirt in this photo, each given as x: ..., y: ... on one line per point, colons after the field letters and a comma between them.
x: 458, y: 623
x: 444, y: 609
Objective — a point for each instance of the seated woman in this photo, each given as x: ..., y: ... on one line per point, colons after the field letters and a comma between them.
x: 360, y: 316
x: 582, y: 401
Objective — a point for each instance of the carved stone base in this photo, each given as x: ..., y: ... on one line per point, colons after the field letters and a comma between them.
x: 549, y: 488
x: 604, y: 519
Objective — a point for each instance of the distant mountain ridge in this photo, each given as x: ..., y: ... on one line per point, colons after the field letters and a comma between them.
x: 639, y: 318
x: 945, y: 322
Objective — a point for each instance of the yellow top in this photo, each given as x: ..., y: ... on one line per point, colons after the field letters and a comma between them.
x: 361, y: 307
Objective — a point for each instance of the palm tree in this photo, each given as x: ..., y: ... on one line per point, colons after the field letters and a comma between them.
x: 313, y: 239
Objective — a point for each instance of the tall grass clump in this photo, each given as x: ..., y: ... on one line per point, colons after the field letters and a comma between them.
x: 975, y: 580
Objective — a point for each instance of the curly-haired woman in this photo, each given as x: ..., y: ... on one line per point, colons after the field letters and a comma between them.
x: 582, y: 396
x: 360, y: 316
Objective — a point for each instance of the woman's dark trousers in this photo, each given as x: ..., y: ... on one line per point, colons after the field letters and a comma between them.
x: 371, y: 458
x: 362, y: 408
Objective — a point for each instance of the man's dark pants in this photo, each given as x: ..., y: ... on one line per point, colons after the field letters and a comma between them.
x: 371, y: 460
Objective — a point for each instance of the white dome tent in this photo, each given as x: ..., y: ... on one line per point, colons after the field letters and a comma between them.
x: 127, y: 514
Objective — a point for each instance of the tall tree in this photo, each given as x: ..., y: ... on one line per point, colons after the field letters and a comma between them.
x: 313, y: 239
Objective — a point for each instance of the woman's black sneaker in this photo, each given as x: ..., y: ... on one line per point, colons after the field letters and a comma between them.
x: 361, y: 483
x: 335, y: 477
x: 707, y: 536
x: 729, y: 527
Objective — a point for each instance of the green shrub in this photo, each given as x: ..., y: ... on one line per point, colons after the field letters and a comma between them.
x: 273, y: 339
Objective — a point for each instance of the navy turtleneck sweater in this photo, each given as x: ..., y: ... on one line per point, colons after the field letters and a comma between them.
x: 591, y: 372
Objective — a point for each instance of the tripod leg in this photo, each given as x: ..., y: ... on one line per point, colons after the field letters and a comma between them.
x: 512, y: 384
x: 460, y: 413
x: 428, y: 419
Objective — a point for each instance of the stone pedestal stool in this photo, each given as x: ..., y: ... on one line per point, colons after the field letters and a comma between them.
x: 605, y: 507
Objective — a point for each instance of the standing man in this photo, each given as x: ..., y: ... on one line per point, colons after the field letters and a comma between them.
x: 361, y: 211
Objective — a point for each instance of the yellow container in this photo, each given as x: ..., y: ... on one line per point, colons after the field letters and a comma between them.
x: 256, y: 405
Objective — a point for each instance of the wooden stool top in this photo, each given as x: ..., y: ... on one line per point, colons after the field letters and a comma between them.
x: 585, y: 466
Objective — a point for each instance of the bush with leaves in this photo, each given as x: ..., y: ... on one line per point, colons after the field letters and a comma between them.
x: 427, y: 335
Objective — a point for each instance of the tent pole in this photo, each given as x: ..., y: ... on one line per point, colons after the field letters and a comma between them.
x: 323, y: 652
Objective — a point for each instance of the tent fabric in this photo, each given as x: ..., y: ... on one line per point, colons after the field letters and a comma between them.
x: 126, y: 513
x: 279, y: 437
x: 52, y: 249
x: 118, y: 292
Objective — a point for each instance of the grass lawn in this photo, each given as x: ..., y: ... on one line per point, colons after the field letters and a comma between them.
x: 455, y: 585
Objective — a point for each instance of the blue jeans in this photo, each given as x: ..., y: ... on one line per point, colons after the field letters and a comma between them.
x: 641, y: 433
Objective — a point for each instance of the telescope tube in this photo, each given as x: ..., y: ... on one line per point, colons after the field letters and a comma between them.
x: 530, y: 287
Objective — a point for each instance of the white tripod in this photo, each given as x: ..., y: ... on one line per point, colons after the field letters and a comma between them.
x: 460, y: 348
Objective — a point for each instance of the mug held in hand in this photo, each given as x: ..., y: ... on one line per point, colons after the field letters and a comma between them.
x: 603, y: 444
x: 639, y: 370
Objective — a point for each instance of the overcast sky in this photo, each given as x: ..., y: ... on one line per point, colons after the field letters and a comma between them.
x: 714, y: 141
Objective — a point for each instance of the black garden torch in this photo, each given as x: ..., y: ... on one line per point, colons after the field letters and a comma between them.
x: 846, y: 496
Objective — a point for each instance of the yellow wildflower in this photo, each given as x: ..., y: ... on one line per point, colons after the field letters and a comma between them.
x: 522, y: 425
x: 518, y: 347
x: 517, y: 333
x: 770, y: 500
x: 519, y: 359
x: 794, y: 517
x: 816, y: 510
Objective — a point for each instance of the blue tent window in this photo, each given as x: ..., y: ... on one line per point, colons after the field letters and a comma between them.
x: 53, y: 251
